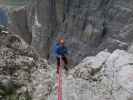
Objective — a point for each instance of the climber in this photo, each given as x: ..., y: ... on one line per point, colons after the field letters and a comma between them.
x: 61, y: 52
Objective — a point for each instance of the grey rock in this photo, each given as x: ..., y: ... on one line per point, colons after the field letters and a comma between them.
x: 19, y: 23
x: 115, y: 77
x: 42, y: 84
x: 21, y: 70
x: 91, y: 65
x: 90, y: 26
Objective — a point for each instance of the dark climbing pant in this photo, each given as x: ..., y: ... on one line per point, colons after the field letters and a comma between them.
x: 64, y: 59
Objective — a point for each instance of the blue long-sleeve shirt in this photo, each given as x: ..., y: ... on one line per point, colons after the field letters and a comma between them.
x: 60, y: 50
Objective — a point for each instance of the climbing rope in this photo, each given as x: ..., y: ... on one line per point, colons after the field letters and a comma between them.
x: 56, y: 79
x: 60, y: 81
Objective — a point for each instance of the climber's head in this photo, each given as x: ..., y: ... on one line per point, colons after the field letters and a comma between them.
x: 61, y: 41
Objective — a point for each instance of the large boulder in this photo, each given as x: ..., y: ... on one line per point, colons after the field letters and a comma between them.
x: 112, y: 81
x: 22, y: 71
x: 91, y: 65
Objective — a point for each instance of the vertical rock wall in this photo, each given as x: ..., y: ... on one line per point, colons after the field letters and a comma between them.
x: 89, y: 25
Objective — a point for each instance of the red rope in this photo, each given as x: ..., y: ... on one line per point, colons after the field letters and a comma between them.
x: 59, y: 80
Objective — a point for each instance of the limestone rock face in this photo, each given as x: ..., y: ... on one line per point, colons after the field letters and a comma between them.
x: 91, y: 65
x: 20, y: 70
x: 89, y: 25
x: 23, y: 74
x: 19, y: 23
x: 113, y: 80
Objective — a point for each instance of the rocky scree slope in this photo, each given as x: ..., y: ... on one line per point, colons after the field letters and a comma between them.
x: 23, y: 74
x: 89, y: 25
